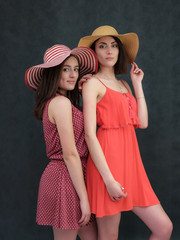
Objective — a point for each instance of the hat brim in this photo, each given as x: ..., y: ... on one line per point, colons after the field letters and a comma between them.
x: 130, y: 42
x: 87, y: 60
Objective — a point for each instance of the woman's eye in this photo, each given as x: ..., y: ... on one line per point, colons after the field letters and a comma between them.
x: 76, y: 69
x: 115, y: 45
x: 102, y: 46
x: 65, y: 69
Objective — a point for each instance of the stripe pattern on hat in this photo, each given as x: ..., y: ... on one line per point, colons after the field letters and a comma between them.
x: 55, y: 52
x: 86, y: 59
x: 54, y: 56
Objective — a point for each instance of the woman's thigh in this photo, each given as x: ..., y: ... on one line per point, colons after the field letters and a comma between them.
x: 108, y: 227
x: 88, y: 232
x: 64, y: 234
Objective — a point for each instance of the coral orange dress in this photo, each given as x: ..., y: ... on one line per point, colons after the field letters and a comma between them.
x: 117, y: 120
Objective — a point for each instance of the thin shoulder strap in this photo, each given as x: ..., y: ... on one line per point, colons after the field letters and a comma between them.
x: 124, y: 85
x: 101, y: 81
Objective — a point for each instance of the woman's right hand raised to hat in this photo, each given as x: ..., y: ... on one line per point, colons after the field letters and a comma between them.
x: 83, y: 80
x: 115, y: 190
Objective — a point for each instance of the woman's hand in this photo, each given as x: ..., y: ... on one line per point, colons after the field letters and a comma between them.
x: 115, y: 190
x: 82, y: 80
x: 86, y: 212
x: 136, y: 74
x: 137, y: 77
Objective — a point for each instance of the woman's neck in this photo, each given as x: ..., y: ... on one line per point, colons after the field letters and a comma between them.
x: 62, y: 92
x: 106, y: 73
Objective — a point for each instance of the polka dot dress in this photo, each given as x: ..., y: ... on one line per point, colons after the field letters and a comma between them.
x: 58, y: 203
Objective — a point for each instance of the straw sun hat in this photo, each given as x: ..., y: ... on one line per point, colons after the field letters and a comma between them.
x: 130, y: 41
x: 55, y: 56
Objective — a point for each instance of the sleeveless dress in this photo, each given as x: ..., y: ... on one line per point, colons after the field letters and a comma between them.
x: 117, y: 120
x: 58, y: 203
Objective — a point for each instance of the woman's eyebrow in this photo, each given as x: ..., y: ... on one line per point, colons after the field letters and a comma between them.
x: 66, y: 65
x: 106, y: 43
x: 113, y: 42
x: 102, y: 43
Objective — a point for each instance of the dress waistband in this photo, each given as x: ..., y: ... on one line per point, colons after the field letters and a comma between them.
x: 62, y: 160
x: 115, y: 127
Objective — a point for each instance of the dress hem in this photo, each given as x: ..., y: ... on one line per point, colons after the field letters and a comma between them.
x: 124, y: 210
x: 65, y: 228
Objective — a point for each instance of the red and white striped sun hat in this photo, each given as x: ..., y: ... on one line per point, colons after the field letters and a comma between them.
x: 54, y: 56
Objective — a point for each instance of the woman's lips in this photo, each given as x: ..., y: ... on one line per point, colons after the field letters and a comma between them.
x: 109, y: 58
x: 71, y: 82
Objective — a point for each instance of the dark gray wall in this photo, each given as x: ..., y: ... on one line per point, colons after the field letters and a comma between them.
x: 28, y: 28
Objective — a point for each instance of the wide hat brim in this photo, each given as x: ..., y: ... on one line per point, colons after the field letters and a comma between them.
x: 87, y: 60
x: 130, y: 41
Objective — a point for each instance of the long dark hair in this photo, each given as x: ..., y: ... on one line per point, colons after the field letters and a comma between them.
x: 121, y: 66
x: 48, y: 88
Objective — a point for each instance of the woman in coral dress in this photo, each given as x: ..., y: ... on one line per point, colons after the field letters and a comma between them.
x: 116, y: 178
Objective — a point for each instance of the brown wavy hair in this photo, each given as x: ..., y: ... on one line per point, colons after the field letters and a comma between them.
x: 48, y: 88
x: 121, y: 66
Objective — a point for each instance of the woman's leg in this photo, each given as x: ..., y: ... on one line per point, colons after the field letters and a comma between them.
x: 156, y: 220
x: 64, y: 234
x: 88, y: 232
x: 108, y: 227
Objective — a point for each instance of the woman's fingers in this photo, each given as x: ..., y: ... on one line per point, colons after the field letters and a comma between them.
x: 84, y: 219
x: 83, y: 80
x: 121, y: 195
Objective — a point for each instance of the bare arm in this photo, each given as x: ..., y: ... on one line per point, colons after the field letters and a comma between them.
x: 83, y: 80
x: 137, y: 77
x: 61, y: 111
x: 90, y: 94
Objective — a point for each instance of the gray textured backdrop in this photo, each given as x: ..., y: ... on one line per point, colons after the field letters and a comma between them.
x: 28, y: 28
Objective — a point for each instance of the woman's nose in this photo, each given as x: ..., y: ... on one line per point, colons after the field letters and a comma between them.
x: 72, y: 73
x: 109, y: 50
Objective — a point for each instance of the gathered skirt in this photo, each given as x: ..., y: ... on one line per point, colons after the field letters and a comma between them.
x: 58, y: 204
x: 122, y: 154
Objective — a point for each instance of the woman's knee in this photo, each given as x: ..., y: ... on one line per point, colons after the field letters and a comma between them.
x: 163, y: 230
x: 166, y: 229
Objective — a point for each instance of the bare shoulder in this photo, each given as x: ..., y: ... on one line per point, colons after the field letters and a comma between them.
x: 93, y: 84
x: 127, y: 85
x: 60, y: 103
x: 93, y: 91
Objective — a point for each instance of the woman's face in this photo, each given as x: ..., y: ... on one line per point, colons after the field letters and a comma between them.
x: 107, y: 51
x: 69, y: 75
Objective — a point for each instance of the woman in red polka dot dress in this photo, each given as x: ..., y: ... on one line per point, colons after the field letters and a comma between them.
x: 62, y: 199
